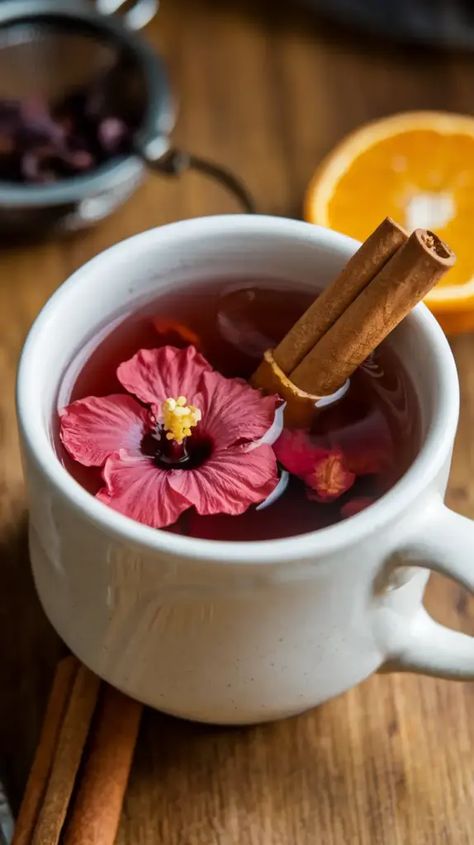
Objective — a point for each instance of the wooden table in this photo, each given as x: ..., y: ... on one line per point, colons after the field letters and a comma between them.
x: 391, y: 762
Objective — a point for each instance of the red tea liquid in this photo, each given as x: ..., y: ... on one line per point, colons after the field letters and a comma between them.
x: 232, y: 323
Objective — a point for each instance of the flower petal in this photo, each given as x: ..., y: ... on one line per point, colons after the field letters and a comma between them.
x: 232, y: 411
x: 173, y: 333
x: 229, y: 482
x: 153, y: 375
x: 136, y: 487
x: 329, y: 478
x: 91, y: 429
x: 297, y: 453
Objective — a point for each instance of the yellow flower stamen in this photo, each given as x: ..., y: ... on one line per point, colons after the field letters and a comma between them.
x: 179, y: 418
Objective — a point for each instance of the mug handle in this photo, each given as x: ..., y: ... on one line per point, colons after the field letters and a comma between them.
x: 425, y: 646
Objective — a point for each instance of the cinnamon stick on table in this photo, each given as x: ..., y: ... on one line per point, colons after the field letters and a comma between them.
x: 68, y: 764
x: 41, y: 768
x: 67, y: 757
x: 96, y: 812
x: 383, y: 300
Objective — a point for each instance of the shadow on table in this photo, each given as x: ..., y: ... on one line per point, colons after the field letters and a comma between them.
x: 29, y: 649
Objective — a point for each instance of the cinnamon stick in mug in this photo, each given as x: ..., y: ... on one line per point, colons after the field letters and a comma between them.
x: 369, y: 259
x: 400, y: 283
x: 403, y: 281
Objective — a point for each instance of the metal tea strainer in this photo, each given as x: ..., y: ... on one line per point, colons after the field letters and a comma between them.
x: 49, y: 48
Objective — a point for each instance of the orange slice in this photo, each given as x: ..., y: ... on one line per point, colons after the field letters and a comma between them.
x: 417, y: 167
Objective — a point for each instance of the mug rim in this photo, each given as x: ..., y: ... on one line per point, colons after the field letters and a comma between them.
x: 318, y: 543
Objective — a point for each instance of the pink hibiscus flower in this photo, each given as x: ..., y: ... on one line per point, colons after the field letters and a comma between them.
x: 161, y: 455
x: 324, y: 471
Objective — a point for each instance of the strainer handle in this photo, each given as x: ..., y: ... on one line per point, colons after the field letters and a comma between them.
x: 175, y: 162
x: 139, y: 13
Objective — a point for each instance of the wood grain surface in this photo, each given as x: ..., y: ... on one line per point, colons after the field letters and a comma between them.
x: 268, y: 92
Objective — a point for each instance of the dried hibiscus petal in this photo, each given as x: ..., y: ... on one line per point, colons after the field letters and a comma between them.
x: 39, y: 166
x: 173, y: 333
x: 329, y: 478
x: 42, y: 142
x: 36, y: 125
x: 324, y: 471
x: 79, y: 160
x: 112, y: 133
x: 297, y: 452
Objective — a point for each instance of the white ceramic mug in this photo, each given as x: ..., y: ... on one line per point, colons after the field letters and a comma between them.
x: 239, y: 632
